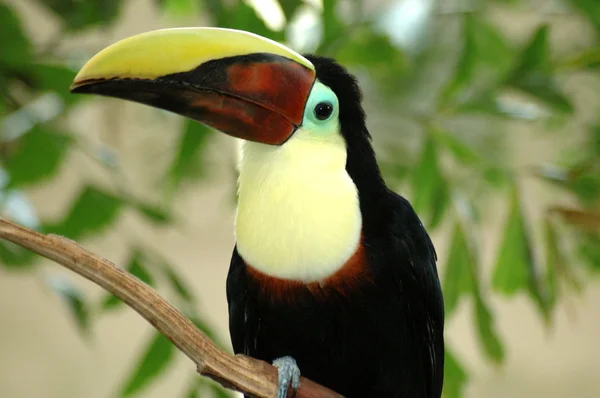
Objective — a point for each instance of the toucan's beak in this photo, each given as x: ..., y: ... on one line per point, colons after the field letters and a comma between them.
x: 239, y: 83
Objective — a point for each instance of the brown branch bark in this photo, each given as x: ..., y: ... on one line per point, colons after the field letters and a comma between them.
x: 241, y: 373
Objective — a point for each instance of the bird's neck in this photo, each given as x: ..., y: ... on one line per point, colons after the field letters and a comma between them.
x: 298, y: 215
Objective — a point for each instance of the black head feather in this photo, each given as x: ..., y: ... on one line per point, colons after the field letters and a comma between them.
x: 345, y: 86
x: 361, y: 163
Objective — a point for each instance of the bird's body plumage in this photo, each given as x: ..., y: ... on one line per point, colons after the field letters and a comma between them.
x: 375, y: 327
x: 332, y: 271
x: 380, y: 339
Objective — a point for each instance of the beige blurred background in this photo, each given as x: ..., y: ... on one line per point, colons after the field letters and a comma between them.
x: 43, y: 355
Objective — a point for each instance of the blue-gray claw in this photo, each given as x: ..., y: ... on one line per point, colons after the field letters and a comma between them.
x: 288, y: 372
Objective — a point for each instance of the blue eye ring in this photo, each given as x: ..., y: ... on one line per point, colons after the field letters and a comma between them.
x: 323, y: 110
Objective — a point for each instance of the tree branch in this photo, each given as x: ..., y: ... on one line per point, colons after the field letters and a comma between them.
x: 241, y: 373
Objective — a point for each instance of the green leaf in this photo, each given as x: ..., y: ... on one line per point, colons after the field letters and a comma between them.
x: 536, y: 55
x: 111, y: 302
x: 430, y: 190
x: 554, y: 262
x: 289, y: 8
x: 386, y: 63
x: 37, y: 157
x: 589, y: 250
x: 461, y: 277
x: 77, y: 15
x: 185, y: 164
x: 587, y: 59
x: 485, y: 60
x: 455, y: 377
x: 533, y: 74
x: 137, y: 268
x: 93, y: 211
x: 180, y: 8
x: 515, y: 255
x: 586, y: 185
x: 178, y: 284
x: 457, y: 276
x: 218, y: 11
x: 595, y: 139
x: 516, y: 268
x: 460, y: 150
x: 491, y: 104
x: 582, y: 178
x: 14, y: 257
x: 396, y: 162
x: 382, y: 52
x: 57, y: 78
x: 495, y: 176
x: 73, y: 297
x: 333, y: 27
x: 488, y: 337
x: 155, y: 214
x: 558, y: 266
x: 393, y: 172
x: 156, y: 358
x: 590, y: 9
x: 16, y: 47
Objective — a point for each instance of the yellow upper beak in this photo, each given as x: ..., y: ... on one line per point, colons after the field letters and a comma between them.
x: 238, y: 82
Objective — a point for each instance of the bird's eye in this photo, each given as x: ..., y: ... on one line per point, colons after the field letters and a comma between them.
x: 323, y: 110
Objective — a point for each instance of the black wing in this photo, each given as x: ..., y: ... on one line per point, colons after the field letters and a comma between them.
x: 413, y: 244
x: 241, y: 310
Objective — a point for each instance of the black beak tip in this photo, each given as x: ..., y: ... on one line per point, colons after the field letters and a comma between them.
x: 81, y: 88
x: 88, y: 86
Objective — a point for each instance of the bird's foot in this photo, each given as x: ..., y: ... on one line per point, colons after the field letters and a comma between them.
x: 289, y: 373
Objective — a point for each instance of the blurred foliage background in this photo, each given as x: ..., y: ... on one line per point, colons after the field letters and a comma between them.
x: 484, y: 114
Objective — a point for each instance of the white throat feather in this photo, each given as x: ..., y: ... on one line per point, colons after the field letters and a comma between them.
x: 298, y: 214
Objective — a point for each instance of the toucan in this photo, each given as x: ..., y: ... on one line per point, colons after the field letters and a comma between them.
x: 333, y: 275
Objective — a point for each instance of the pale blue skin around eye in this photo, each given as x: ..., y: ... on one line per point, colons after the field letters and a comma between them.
x: 320, y: 93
